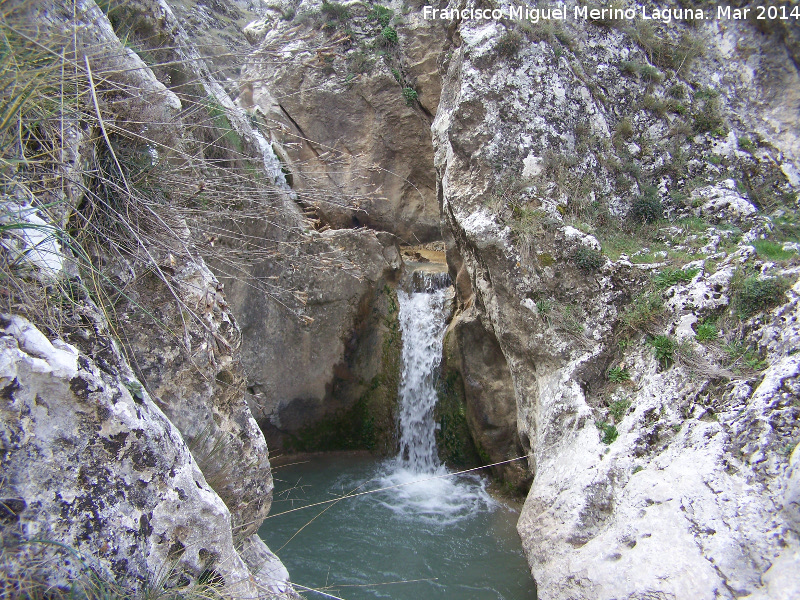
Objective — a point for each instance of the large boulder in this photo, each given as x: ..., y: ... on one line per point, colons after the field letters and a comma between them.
x: 115, y: 498
x: 344, y: 342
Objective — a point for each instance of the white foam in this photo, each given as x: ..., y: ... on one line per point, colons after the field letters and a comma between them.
x: 430, y: 496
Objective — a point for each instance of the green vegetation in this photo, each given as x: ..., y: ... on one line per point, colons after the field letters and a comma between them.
x: 618, y: 375
x: 618, y: 409
x: 334, y: 13
x: 381, y: 14
x: 609, y: 432
x: 369, y: 424
x: 662, y: 50
x: 624, y: 129
x: 360, y: 62
x: 677, y: 91
x: 23, y: 569
x: 588, y: 259
x: 544, y: 306
x: 706, y: 117
x: 647, y: 73
x: 646, y: 308
x: 664, y: 348
x: 669, y: 277
x: 754, y: 294
x: 746, y: 145
x: 706, y: 331
x: 388, y: 36
x: 453, y: 438
x: 740, y: 354
x: 772, y: 250
x: 410, y: 95
x: 509, y: 44
x: 647, y: 208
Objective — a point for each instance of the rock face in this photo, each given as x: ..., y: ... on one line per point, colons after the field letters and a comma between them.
x: 358, y: 149
x: 157, y: 474
x: 660, y: 468
x: 113, y: 477
x: 345, y: 344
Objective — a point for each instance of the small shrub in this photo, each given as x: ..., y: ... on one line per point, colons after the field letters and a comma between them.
x: 410, y: 95
x: 705, y: 93
x: 772, y: 250
x: 509, y: 44
x: 706, y: 331
x: 609, y: 432
x: 677, y: 91
x: 707, y: 117
x: 388, y: 36
x: 753, y: 294
x: 381, y: 14
x: 360, y: 62
x: 629, y: 68
x: 738, y: 352
x: 647, y: 207
x: 588, y: 259
x: 746, y: 145
x: 646, y: 308
x: 664, y: 348
x: 669, y: 277
x: 544, y: 306
x: 650, y: 74
x: 652, y: 103
x: 335, y: 11
x: 618, y: 375
x: 624, y: 128
x: 675, y: 106
x: 618, y: 409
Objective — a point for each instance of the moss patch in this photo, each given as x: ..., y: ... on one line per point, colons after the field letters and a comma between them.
x: 370, y: 423
x: 453, y: 438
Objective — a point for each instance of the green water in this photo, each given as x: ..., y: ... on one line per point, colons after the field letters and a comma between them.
x: 447, y: 534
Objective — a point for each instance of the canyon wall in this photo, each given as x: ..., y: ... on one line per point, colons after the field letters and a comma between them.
x: 618, y: 202
x: 655, y: 394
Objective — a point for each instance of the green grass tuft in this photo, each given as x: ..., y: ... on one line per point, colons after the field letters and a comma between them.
x: 618, y: 375
x: 588, y: 259
x: 669, y: 277
x: 706, y: 331
x: 664, y: 349
x: 754, y: 294
x: 609, y: 432
x: 772, y: 250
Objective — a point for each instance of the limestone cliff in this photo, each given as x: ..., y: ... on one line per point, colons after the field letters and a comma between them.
x: 615, y: 191
x: 131, y: 460
x: 349, y: 102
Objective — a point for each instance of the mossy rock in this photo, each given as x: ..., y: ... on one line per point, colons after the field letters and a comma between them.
x: 453, y: 438
x: 370, y: 423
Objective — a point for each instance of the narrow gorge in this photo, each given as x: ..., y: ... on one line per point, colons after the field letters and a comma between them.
x: 475, y: 299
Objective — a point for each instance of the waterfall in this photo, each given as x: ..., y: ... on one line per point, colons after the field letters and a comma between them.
x: 419, y: 486
x: 422, y: 323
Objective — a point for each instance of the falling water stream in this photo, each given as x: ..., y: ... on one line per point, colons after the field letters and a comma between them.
x: 428, y: 534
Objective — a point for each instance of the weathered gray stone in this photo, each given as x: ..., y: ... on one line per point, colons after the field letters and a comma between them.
x: 337, y: 342
x: 89, y: 461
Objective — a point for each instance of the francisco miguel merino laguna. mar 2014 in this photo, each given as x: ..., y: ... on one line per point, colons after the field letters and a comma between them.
x: 562, y: 13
